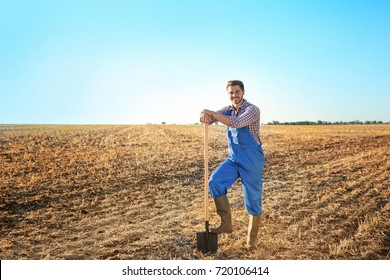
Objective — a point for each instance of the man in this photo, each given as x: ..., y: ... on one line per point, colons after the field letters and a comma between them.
x: 245, y: 160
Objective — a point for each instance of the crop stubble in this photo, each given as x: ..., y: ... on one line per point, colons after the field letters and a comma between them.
x: 135, y: 192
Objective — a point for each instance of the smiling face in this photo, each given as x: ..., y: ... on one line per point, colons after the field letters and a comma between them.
x: 236, y: 95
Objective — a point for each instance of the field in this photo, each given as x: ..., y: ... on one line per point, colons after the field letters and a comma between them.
x: 136, y: 192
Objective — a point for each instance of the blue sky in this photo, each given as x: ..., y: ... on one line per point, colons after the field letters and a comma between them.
x: 135, y: 62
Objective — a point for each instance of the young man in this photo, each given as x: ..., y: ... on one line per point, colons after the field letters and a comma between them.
x: 245, y: 160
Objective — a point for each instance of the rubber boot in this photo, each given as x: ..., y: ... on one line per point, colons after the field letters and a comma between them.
x: 253, y: 228
x: 223, y: 210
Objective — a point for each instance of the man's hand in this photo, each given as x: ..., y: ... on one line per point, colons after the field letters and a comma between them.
x: 205, y: 117
x: 208, y: 116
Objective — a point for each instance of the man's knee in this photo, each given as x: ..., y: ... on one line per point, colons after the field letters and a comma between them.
x: 215, y: 189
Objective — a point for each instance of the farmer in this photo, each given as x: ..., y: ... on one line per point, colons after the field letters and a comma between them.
x: 245, y: 160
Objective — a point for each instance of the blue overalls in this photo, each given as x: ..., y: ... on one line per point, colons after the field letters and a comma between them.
x: 246, y: 161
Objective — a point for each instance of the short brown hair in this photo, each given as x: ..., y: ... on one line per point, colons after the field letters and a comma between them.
x: 235, y: 83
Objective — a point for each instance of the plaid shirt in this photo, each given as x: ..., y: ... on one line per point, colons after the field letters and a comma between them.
x: 247, y: 115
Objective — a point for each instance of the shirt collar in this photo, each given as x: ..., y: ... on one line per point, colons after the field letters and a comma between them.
x: 243, y: 105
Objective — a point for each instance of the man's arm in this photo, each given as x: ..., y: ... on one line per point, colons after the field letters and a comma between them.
x: 251, y: 115
x: 210, y: 115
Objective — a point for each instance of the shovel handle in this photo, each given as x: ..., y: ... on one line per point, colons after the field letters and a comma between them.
x: 206, y: 171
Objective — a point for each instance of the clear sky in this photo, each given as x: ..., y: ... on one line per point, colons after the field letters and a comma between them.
x: 136, y: 62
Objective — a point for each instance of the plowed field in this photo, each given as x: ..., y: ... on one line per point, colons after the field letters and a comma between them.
x: 136, y: 192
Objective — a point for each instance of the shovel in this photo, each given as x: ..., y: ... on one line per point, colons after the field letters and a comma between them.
x: 206, y: 241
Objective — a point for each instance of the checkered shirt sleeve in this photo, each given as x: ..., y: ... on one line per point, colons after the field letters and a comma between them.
x: 249, y: 116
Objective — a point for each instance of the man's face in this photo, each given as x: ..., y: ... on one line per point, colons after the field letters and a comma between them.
x: 236, y: 95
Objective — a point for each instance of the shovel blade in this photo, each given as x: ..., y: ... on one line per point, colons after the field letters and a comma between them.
x: 207, y: 242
